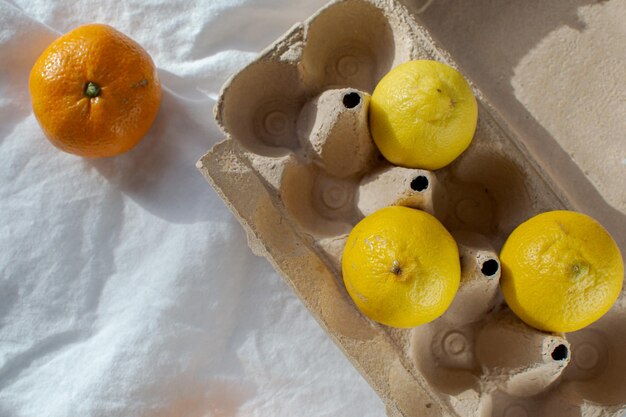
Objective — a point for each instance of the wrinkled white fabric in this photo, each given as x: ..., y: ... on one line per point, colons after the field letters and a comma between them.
x: 126, y: 286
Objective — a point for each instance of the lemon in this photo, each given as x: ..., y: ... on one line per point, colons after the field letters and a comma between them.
x: 401, y: 267
x: 561, y: 271
x: 422, y: 114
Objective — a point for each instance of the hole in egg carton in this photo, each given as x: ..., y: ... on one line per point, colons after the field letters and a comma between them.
x: 560, y: 353
x: 274, y: 108
x: 420, y: 183
x: 490, y: 267
x: 351, y: 100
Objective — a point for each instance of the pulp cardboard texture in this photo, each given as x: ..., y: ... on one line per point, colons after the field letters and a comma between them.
x: 298, y: 168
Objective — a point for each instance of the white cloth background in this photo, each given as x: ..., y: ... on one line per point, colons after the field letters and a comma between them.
x: 126, y: 286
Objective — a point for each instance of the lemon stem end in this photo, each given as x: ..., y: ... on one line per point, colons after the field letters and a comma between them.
x: 579, y: 270
x: 395, y: 268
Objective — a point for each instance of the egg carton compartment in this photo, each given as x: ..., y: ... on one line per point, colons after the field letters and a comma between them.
x: 299, y: 169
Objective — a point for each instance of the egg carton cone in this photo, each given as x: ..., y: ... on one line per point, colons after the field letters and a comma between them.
x: 299, y: 169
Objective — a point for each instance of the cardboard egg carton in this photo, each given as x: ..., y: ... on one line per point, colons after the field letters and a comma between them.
x: 299, y: 169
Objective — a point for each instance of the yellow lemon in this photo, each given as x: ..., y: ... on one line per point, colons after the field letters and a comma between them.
x: 561, y: 271
x: 422, y: 114
x: 401, y: 267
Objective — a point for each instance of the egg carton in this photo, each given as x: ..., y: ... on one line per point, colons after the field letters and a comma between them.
x: 299, y: 169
